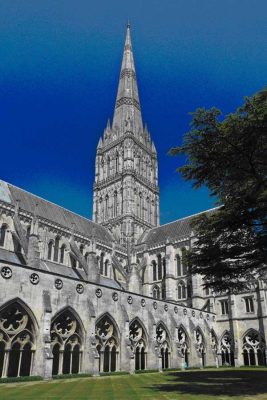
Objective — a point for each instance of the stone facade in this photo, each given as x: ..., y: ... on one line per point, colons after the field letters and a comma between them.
x: 78, y: 296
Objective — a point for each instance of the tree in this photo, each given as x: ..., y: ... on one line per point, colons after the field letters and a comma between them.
x: 229, y: 156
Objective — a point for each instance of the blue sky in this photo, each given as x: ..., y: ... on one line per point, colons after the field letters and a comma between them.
x: 59, y: 68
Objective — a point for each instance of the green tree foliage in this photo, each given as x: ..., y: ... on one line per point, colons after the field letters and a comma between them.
x: 229, y: 156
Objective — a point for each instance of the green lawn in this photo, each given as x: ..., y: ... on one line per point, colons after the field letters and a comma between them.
x: 222, y: 384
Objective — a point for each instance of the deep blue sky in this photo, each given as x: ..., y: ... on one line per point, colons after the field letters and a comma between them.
x: 59, y: 68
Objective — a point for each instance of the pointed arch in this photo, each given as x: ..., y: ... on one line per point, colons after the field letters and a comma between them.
x: 164, y: 344
x: 200, y: 344
x: 108, y: 315
x: 107, y: 336
x: 156, y: 292
x: 137, y: 319
x: 139, y: 342
x: 184, y: 345
x: 25, y: 306
x: 72, y: 311
x: 226, y: 348
x: 67, y: 339
x: 253, y: 348
x: 18, y: 330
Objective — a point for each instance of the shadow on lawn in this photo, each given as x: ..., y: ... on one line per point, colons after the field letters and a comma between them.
x: 214, y: 383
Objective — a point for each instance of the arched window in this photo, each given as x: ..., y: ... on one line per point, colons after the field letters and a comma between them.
x: 62, y: 253
x: 28, y: 232
x: 178, y: 265
x: 117, y: 163
x: 56, y: 249
x: 181, y: 291
x: 139, y: 344
x: 184, y: 345
x: 184, y: 262
x: 66, y: 342
x: 106, y: 268
x: 148, y: 210
x: 159, y: 267
x: 156, y: 292
x: 254, y: 348
x: 106, y: 207
x: 3, y: 234
x: 50, y: 250
x: 227, y: 349
x: 164, y: 267
x: 17, y: 341
x: 200, y: 345
x: 81, y: 251
x: 108, y: 166
x: 107, y: 344
x: 163, y: 342
x: 115, y: 205
x: 86, y: 257
x: 154, y: 267
x: 102, y: 255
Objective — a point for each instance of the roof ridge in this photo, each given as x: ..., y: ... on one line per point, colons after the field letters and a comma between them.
x: 51, y: 202
x: 189, y: 216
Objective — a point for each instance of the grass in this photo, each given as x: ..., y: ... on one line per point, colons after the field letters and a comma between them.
x: 222, y: 384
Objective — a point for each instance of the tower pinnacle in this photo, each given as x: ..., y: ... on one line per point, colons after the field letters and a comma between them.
x: 127, y: 113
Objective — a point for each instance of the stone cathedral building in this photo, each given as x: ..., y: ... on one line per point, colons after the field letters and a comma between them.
x: 114, y: 294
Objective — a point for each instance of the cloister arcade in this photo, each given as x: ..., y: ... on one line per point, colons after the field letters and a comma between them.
x: 19, y: 335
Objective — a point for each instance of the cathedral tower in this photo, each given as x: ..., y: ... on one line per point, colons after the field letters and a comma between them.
x: 126, y: 193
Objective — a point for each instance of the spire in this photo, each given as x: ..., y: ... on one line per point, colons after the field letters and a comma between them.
x: 127, y: 114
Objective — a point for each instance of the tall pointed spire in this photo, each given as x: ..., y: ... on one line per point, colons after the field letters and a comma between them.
x: 127, y: 113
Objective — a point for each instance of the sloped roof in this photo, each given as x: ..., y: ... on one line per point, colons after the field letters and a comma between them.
x: 54, y: 213
x: 177, y: 230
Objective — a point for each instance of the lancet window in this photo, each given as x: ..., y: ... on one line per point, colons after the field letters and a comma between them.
x: 138, y: 344
x: 107, y: 344
x: 156, y: 292
x: 17, y: 341
x: 254, y: 348
x: 181, y: 291
x: 163, y: 343
x: 66, y: 342
x: 62, y: 253
x: 50, y: 250
x: 56, y: 249
x: 3, y: 231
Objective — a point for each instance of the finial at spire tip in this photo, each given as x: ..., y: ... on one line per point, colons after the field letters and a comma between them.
x: 128, y: 24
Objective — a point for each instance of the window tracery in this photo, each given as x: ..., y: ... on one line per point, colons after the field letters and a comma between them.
x: 227, y: 349
x: 138, y: 344
x: 17, y: 341
x: 200, y: 345
x: 163, y: 344
x: 66, y: 343
x: 254, y: 348
x: 183, y: 345
x: 107, y: 344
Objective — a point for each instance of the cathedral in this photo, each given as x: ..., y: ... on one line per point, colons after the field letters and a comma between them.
x: 114, y: 294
